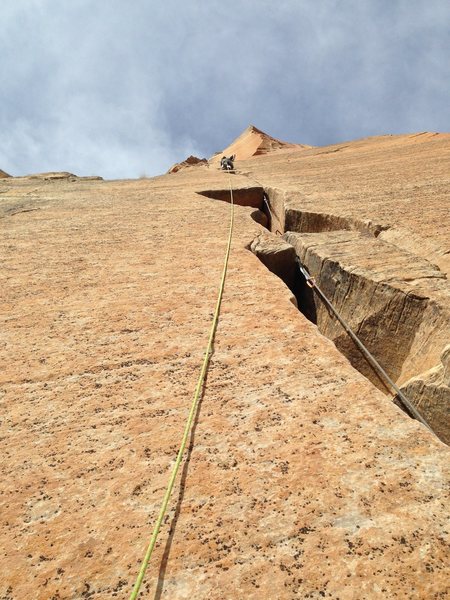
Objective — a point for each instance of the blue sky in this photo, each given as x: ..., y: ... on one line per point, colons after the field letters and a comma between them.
x: 126, y: 88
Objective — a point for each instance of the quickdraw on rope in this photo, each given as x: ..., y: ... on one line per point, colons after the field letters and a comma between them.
x: 311, y: 282
x: 192, y: 412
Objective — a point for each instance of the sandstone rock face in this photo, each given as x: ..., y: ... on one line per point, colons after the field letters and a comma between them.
x: 189, y: 162
x: 371, y: 221
x: 379, y: 290
x: 430, y: 392
x: 303, y: 480
x: 53, y: 175
x: 247, y: 195
x: 3, y: 174
x: 254, y: 142
x: 396, y: 185
x: 278, y: 256
x: 60, y: 176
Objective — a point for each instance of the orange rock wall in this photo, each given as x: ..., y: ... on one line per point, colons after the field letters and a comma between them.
x: 303, y: 479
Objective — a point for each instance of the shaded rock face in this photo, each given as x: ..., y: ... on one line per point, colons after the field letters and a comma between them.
x: 430, y: 392
x: 244, y: 196
x: 279, y: 257
x: 303, y: 480
x: 378, y: 289
x: 3, y: 174
x: 190, y: 161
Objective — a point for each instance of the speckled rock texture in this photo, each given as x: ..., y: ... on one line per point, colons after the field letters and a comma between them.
x: 371, y: 221
x: 397, y: 304
x: 303, y: 480
x: 396, y: 186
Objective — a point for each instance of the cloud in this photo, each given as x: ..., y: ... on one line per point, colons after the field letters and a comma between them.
x: 124, y: 89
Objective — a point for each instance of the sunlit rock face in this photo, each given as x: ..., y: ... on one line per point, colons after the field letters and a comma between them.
x: 304, y: 479
x: 190, y: 161
x: 254, y: 142
x: 369, y: 219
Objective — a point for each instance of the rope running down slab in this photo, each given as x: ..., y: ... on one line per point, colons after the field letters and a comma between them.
x: 192, y: 412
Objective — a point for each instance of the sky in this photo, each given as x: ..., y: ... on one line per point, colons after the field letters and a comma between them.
x: 126, y: 88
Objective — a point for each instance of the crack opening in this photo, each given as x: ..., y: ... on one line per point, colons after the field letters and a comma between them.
x: 390, y: 321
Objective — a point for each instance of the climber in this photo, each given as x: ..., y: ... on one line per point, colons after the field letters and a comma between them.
x: 227, y: 163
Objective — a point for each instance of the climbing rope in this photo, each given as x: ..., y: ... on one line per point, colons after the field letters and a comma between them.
x: 310, y: 281
x: 192, y: 412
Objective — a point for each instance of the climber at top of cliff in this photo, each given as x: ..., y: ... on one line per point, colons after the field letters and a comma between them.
x: 227, y: 164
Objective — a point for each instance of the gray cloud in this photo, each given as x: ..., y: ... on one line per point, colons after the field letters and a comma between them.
x: 122, y: 89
